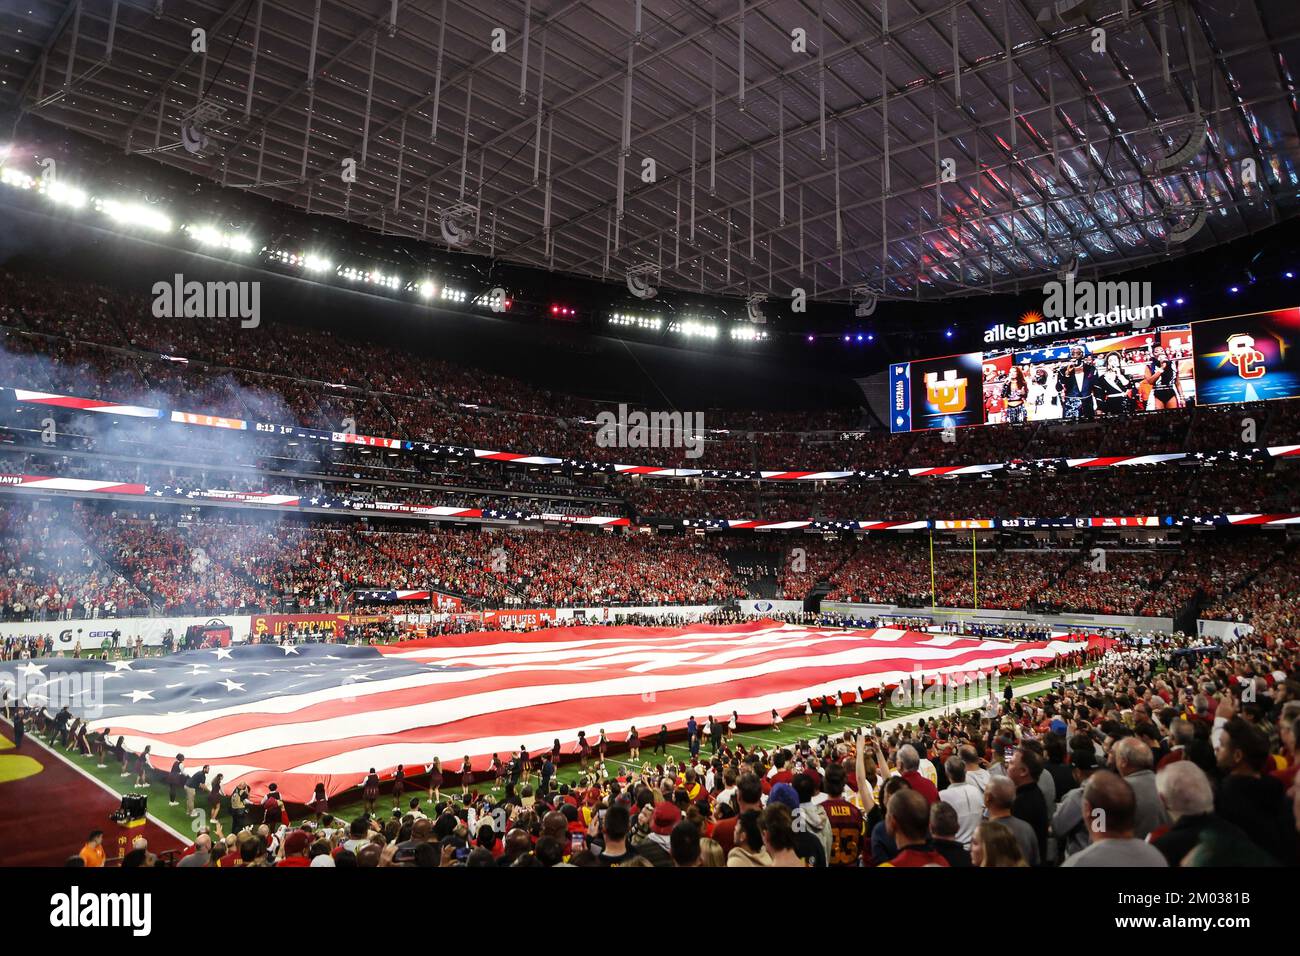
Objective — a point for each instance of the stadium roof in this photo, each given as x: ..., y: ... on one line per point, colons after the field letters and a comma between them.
x: 1066, y: 146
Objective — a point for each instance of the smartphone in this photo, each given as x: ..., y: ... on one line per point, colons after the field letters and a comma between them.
x: 577, y: 843
x: 462, y: 853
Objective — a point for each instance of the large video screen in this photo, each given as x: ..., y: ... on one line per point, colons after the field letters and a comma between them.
x: 1090, y: 378
x: 936, y: 393
x: 1247, y: 358
x: 1240, y: 358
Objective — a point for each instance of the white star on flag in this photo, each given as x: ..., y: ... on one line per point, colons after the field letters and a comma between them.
x: 222, y: 653
x: 139, y: 695
x: 288, y: 649
x: 231, y: 685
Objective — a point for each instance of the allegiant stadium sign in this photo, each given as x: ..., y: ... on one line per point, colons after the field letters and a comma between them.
x: 1083, y: 306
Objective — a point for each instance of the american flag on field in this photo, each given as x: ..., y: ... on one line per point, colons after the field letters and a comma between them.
x: 301, y: 714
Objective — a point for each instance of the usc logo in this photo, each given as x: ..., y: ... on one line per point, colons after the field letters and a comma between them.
x: 1248, y: 360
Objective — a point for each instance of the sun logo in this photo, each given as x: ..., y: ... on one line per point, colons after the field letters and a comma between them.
x: 1030, y: 317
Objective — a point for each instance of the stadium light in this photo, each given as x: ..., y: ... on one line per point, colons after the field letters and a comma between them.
x: 316, y: 263
x: 135, y: 214
x: 633, y: 320
x: 62, y: 194
x: 694, y: 329
x: 746, y: 333
x: 207, y: 235
x: 16, y: 178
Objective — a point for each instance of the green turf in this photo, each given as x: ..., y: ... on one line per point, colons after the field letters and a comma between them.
x: 348, y: 805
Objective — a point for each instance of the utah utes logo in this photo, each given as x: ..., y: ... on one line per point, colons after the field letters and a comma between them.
x: 947, y: 394
x: 1242, y: 353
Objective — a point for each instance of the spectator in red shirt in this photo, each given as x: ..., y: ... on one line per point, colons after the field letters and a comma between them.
x: 909, y: 763
x: 296, y: 845
x: 749, y: 796
x: 908, y: 822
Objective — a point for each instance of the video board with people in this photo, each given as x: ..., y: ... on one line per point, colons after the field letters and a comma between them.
x: 1091, y: 378
x: 1215, y: 361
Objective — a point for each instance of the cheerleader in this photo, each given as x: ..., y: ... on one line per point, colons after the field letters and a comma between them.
x: 776, y: 718
x: 399, y: 785
x: 555, y: 752
x: 273, y: 810
x: 434, y: 770
x: 602, y: 743
x: 839, y: 704
x: 583, y: 749
x: 466, y: 773
x: 141, y: 763
x: 633, y: 744
x: 732, y: 723
x: 525, y: 765
x: 121, y: 757
x: 214, y: 796
x: 857, y: 705
x: 80, y: 739
x: 498, y: 771
x: 319, y: 804
x: 370, y: 790
x: 807, y: 712
x: 101, y: 748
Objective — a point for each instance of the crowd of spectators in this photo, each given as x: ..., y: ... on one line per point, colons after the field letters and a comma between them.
x: 84, y: 560
x: 49, y: 574
x: 1187, y: 757
x: 85, y: 339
